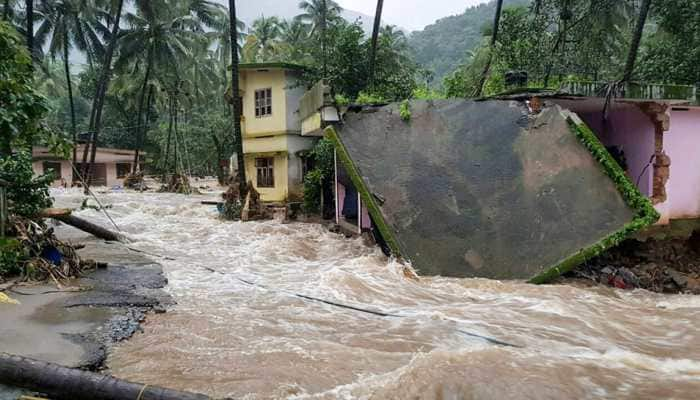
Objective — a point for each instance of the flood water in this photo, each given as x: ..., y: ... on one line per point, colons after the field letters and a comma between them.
x: 226, y: 337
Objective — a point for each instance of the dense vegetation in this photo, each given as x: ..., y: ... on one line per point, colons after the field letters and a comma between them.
x: 593, y: 40
x: 156, y: 70
x: 442, y: 46
x: 22, y: 110
x: 161, y: 87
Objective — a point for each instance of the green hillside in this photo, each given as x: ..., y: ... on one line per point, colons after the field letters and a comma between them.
x: 440, y: 47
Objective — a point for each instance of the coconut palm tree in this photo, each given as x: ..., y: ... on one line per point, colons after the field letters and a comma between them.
x: 320, y: 13
x: 63, y: 24
x: 29, y: 7
x: 159, y: 36
x: 237, y: 132
x: 294, y: 34
x: 98, y: 100
x: 209, y: 13
x: 262, y: 39
x: 221, y: 34
x: 494, y: 38
x: 636, y: 40
x: 8, y: 9
x: 375, y: 37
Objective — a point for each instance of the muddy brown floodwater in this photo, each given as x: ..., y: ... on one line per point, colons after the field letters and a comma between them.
x: 228, y: 338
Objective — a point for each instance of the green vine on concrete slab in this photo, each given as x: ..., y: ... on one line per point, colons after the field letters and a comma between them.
x: 645, y: 214
x: 367, y: 197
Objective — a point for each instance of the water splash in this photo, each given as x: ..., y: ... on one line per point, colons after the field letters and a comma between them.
x: 228, y: 338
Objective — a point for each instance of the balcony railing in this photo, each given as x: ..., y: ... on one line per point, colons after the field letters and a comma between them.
x: 640, y: 91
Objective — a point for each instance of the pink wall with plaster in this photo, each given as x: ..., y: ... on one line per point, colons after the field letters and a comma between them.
x: 682, y: 145
x: 632, y: 130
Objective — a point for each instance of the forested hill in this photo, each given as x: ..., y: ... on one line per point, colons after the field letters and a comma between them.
x: 442, y: 46
x: 248, y: 11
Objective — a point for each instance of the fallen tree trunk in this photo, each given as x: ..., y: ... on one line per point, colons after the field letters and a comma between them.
x: 89, y: 227
x: 55, y: 212
x: 61, y: 383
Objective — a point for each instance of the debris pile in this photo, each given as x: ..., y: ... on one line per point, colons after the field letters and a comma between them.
x: 135, y: 181
x: 233, y: 204
x: 253, y: 208
x: 664, y: 266
x: 235, y: 207
x: 178, y: 183
x: 41, y: 256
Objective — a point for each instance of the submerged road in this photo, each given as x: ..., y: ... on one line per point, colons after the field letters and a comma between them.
x: 243, y: 327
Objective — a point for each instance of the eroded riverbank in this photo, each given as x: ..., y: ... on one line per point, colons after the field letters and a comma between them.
x: 228, y: 338
x: 75, y: 324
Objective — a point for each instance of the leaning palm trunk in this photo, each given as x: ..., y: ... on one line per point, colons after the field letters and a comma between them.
x: 614, y: 89
x: 235, y: 89
x: 323, y: 38
x: 101, y: 93
x: 375, y: 38
x: 141, y: 126
x: 636, y: 40
x: 166, y: 163
x: 6, y: 11
x: 484, y: 75
x: 30, y: 27
x: 69, y: 83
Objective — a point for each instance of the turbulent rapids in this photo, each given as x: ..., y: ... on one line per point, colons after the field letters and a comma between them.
x: 226, y: 337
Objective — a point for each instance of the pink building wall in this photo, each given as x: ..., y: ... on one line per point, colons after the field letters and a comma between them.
x: 632, y: 130
x: 682, y: 145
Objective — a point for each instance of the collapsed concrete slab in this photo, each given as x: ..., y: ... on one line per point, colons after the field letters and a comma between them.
x: 488, y: 188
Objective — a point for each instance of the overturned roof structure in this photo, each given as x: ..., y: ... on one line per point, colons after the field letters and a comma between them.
x: 488, y: 188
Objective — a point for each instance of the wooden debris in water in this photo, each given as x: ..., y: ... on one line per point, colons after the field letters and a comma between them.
x: 178, y: 183
x: 135, y: 181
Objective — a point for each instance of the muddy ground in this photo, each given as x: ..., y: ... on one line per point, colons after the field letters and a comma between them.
x: 75, y: 325
x: 659, y: 265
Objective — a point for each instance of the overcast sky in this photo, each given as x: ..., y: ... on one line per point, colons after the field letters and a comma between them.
x: 411, y: 14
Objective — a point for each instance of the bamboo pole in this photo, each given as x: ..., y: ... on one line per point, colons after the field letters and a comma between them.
x: 62, y: 383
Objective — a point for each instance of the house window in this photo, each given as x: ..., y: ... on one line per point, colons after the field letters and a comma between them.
x: 53, y: 168
x: 266, y: 172
x: 263, y: 103
x: 123, y: 169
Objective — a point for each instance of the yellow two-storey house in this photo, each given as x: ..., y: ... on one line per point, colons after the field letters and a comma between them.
x: 273, y: 146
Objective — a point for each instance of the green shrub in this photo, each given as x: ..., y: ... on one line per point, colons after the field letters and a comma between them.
x: 314, y: 180
x: 313, y: 189
x: 21, y: 106
x: 232, y: 210
x: 365, y: 98
x: 26, y: 194
x: 11, y: 257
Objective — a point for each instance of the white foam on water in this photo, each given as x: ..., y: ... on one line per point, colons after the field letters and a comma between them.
x: 227, y: 338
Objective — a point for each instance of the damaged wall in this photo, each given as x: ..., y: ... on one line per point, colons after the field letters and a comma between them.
x: 483, y: 188
x: 682, y: 145
x: 629, y: 128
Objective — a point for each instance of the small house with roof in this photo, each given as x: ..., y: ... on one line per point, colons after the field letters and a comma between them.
x: 110, y: 168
